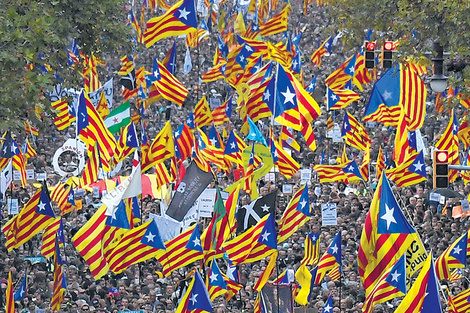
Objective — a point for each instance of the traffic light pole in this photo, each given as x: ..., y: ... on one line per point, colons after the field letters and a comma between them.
x: 459, y: 167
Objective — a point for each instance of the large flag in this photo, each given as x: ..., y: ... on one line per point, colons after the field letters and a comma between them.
x: 184, y: 141
x: 194, y: 182
x: 411, y: 172
x: 423, y: 296
x: 449, y: 141
x: 34, y: 217
x: 298, y: 212
x: 92, y: 168
x: 88, y: 242
x: 399, y: 89
x: 324, y: 48
x: 254, y: 244
x: 92, y: 130
x: 202, y: 113
x: 340, y: 98
x: 391, y: 285
x: 250, y: 214
x: 277, y: 24
x: 330, y: 260
x: 455, y: 256
x: 167, y: 85
x: 65, y: 114
x: 460, y: 303
x: 354, y: 133
x: 119, y: 117
x: 136, y: 245
x: 180, y: 19
x: 182, y: 250
x: 161, y: 149
x: 386, y: 236
x: 342, y: 75
x: 218, y: 283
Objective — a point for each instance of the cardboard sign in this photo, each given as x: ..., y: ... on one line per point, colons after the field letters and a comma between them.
x: 13, y: 206
x: 306, y: 176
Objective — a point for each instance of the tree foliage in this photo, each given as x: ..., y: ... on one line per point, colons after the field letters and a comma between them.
x: 38, y: 33
x: 415, y: 23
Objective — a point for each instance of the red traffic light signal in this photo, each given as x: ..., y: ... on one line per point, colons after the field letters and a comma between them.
x: 442, y: 157
x: 389, y: 45
x: 441, y: 169
x: 370, y: 45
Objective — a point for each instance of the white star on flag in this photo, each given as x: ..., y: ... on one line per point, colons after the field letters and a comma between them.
x: 150, y: 237
x: 388, y: 216
x: 184, y: 14
x: 395, y: 276
x: 288, y: 96
x: 265, y: 236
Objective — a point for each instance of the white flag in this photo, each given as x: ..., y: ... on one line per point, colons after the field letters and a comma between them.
x: 188, y: 65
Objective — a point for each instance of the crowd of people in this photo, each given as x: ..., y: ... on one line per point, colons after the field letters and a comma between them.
x: 143, y: 288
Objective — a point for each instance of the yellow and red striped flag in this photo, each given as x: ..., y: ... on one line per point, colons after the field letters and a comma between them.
x: 324, y: 48
x: 380, y: 165
x: 30, y: 129
x: 411, y: 172
x: 162, y: 148
x: 312, y: 249
x: 277, y: 24
x: 460, y: 303
x: 168, y: 86
x: 92, y: 168
x: 298, y: 213
x: 178, y: 20
x: 64, y: 119
x: 202, y: 113
x: 9, y: 299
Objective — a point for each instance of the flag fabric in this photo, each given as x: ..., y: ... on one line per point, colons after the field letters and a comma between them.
x: 65, y: 116
x: 288, y: 140
x: 423, y: 296
x: 234, y: 148
x: 330, y: 259
x: 92, y: 168
x: 392, y: 284
x: 194, y: 182
x: 167, y: 85
x: 161, y: 149
x: 254, y: 244
x: 59, y: 284
x: 460, y: 303
x: 93, y: 131
x: 9, y: 298
x: 449, y: 141
x: 354, y: 133
x: 380, y: 165
x: 343, y: 74
x: 34, y: 217
x: 324, y: 48
x: 180, y: 19
x: 386, y: 236
x: 127, y: 143
x: 136, y: 245
x: 118, y: 118
x: 312, y: 249
x: 399, y: 89
x: 218, y: 229
x: 311, y: 87
x: 28, y: 150
x: 411, y: 172
x: 286, y: 164
x: 456, y: 275
x: 249, y: 181
x: 48, y: 238
x: 30, y: 129
x: 196, y: 299
x: 184, y: 142
x: 88, y: 242
x: 220, y: 114
x: 219, y: 284
x: 277, y: 24
x: 455, y: 256
x: 304, y: 278
x: 340, y: 98
x: 127, y: 65
x: 202, y: 113
x: 298, y: 212
x: 23, y: 290
x: 170, y: 59
x: 250, y: 214
x: 182, y: 250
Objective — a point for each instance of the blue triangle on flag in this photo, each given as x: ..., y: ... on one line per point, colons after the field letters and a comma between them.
x: 215, y: 277
x: 119, y: 217
x: 397, y: 275
x: 390, y: 218
x: 268, y: 234
x: 44, y: 206
x: 194, y: 242
x: 199, y: 297
x: 152, y: 236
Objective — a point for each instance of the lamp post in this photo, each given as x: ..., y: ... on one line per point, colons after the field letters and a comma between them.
x: 438, y: 80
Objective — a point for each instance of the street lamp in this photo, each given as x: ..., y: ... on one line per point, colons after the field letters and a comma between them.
x: 438, y: 80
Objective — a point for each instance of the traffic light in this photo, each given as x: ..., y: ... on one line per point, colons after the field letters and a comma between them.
x: 387, y: 54
x: 369, y: 54
x: 440, y: 169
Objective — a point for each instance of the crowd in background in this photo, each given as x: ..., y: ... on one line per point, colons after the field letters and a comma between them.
x: 141, y: 287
